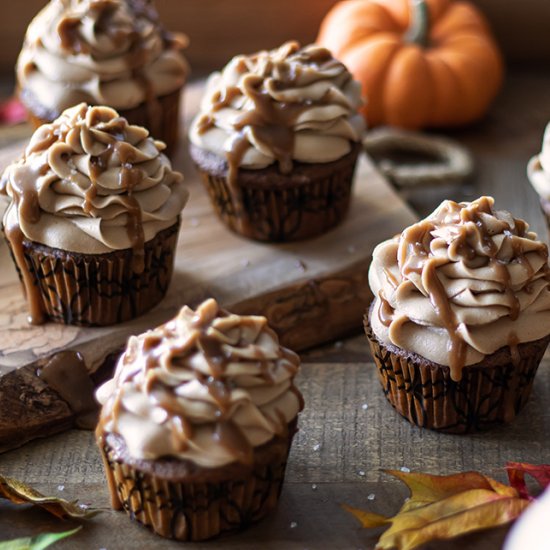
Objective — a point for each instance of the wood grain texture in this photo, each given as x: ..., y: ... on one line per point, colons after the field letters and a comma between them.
x: 340, y: 449
x: 319, y: 285
x: 219, y: 29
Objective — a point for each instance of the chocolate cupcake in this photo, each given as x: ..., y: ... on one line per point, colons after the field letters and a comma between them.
x: 93, y: 219
x: 461, y: 316
x: 538, y: 171
x: 276, y: 142
x: 113, y: 53
x: 197, y: 424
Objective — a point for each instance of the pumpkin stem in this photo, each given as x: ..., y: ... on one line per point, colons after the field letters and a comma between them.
x: 417, y: 32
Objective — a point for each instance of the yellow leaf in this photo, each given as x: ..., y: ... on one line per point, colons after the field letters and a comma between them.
x: 20, y: 493
x: 367, y: 519
x: 444, y: 507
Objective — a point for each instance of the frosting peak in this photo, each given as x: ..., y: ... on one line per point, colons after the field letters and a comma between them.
x: 103, y: 52
x: 92, y: 183
x: 282, y: 105
x: 208, y: 386
x: 461, y: 284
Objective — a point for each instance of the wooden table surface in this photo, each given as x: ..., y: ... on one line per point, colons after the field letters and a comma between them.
x: 348, y: 432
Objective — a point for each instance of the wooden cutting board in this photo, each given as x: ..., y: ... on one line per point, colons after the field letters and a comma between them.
x: 312, y: 292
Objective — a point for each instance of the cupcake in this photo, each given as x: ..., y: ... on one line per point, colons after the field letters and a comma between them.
x: 103, y: 52
x: 196, y: 425
x: 93, y: 219
x: 276, y: 142
x: 538, y: 171
x: 461, y: 316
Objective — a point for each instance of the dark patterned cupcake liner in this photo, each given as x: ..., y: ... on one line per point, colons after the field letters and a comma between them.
x: 426, y: 395
x: 160, y: 117
x: 102, y: 289
x: 198, y: 509
x: 303, y: 209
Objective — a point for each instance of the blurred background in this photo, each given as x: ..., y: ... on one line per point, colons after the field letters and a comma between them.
x: 219, y: 29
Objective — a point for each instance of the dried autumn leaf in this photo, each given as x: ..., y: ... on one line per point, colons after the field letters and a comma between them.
x: 20, y: 493
x: 40, y: 542
x: 444, y: 507
x: 516, y: 475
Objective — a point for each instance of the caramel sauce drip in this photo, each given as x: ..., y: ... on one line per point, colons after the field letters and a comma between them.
x: 66, y: 373
x: 128, y: 179
x: 25, y: 196
x: 70, y: 37
x: 385, y: 311
x: 513, y: 344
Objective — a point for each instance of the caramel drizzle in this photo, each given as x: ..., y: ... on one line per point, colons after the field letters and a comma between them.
x: 67, y: 374
x: 271, y: 122
x: 415, y: 258
x: 385, y: 311
x: 162, y: 345
x: 138, y: 52
x: 25, y: 197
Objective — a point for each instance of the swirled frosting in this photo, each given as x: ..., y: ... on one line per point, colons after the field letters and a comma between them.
x: 287, y: 104
x: 92, y: 183
x: 538, y: 169
x: 461, y: 284
x: 103, y: 52
x: 208, y: 386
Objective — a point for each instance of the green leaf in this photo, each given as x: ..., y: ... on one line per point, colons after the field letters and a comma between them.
x: 37, y: 543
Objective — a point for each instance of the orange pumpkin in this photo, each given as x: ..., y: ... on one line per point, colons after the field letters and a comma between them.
x: 422, y: 63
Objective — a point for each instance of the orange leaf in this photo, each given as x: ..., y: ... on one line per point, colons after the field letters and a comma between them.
x: 516, y: 475
x: 20, y: 493
x: 367, y: 519
x: 444, y: 507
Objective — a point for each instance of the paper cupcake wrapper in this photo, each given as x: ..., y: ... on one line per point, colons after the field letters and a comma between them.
x: 195, y: 511
x: 103, y: 289
x: 427, y: 396
x: 282, y: 214
x: 160, y: 117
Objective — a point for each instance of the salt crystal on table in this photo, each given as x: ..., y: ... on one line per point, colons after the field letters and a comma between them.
x: 364, y: 406
x: 293, y: 524
x: 372, y: 496
x: 60, y: 487
x: 405, y: 470
x: 361, y: 473
x: 314, y: 486
x: 316, y: 447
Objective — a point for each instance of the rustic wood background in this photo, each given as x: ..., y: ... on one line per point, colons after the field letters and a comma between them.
x: 219, y: 29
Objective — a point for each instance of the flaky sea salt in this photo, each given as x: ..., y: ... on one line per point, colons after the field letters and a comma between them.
x: 293, y: 524
x: 361, y: 473
x: 405, y: 470
x: 314, y: 486
x: 364, y: 406
x: 372, y: 496
x: 317, y: 446
x: 61, y: 487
